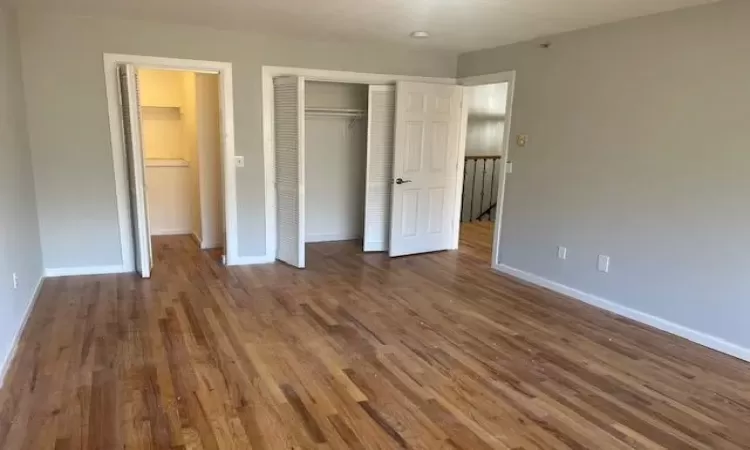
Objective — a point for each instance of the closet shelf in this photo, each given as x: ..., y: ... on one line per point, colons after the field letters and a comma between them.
x: 162, y: 108
x: 163, y: 162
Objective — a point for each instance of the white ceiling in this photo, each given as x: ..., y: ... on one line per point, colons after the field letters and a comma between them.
x: 457, y: 25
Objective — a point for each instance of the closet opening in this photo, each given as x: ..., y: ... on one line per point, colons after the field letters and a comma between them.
x: 187, y: 145
x: 334, y: 153
x: 336, y: 161
x: 182, y: 154
x: 171, y: 123
x: 382, y: 168
x: 180, y: 130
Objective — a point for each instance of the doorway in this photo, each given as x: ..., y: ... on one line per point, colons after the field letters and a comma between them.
x: 336, y: 153
x: 179, y: 113
x: 172, y: 137
x: 486, y: 134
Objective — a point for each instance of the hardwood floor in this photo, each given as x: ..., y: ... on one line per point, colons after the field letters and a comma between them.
x: 475, y: 239
x: 358, y: 351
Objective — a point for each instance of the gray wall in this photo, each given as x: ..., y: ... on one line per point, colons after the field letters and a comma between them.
x: 69, y: 130
x: 639, y: 149
x: 19, y: 229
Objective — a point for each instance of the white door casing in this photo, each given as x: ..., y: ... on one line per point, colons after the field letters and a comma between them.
x: 289, y: 125
x: 380, y: 150
x: 131, y: 125
x: 427, y: 138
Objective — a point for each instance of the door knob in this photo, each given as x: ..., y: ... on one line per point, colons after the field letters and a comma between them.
x: 402, y: 181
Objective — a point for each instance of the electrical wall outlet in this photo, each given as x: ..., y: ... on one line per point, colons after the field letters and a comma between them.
x: 603, y: 263
x: 562, y: 252
x: 15, y: 280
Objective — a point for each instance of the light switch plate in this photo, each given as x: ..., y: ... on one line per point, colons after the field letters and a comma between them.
x: 522, y: 140
x: 509, y: 167
x: 239, y: 161
x: 562, y: 252
x: 603, y: 263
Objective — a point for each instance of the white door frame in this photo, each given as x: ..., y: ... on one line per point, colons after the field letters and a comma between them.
x: 500, y: 77
x: 268, y: 74
x: 226, y: 105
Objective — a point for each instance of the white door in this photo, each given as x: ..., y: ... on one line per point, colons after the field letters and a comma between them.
x: 381, y: 116
x: 131, y: 126
x: 289, y: 139
x: 425, y: 181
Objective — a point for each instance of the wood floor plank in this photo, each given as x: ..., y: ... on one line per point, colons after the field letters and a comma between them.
x: 357, y: 351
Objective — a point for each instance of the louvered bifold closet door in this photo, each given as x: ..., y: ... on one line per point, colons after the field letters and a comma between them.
x: 289, y: 122
x: 131, y: 129
x: 380, y: 147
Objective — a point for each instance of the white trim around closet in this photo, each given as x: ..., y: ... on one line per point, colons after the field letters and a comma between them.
x: 268, y: 74
x: 226, y: 106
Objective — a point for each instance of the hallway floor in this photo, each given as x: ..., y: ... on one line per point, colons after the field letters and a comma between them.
x: 357, y: 351
x: 475, y: 239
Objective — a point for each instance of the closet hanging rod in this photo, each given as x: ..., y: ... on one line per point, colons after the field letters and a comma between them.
x: 341, y: 111
x: 349, y: 116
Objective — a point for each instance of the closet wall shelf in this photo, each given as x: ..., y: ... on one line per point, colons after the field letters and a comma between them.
x: 166, y: 162
x: 161, y: 109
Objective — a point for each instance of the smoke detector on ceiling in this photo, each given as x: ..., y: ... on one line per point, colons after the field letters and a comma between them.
x: 420, y: 34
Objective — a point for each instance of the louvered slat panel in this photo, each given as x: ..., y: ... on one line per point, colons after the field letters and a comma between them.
x: 132, y: 139
x: 289, y: 138
x: 380, y: 150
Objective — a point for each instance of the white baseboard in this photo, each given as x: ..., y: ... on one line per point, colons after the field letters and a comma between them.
x: 312, y: 238
x: 91, y: 270
x: 252, y: 260
x: 196, y: 239
x: 375, y: 246
x: 211, y: 245
x: 19, y: 332
x: 699, y: 337
x: 205, y: 245
x: 175, y: 232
